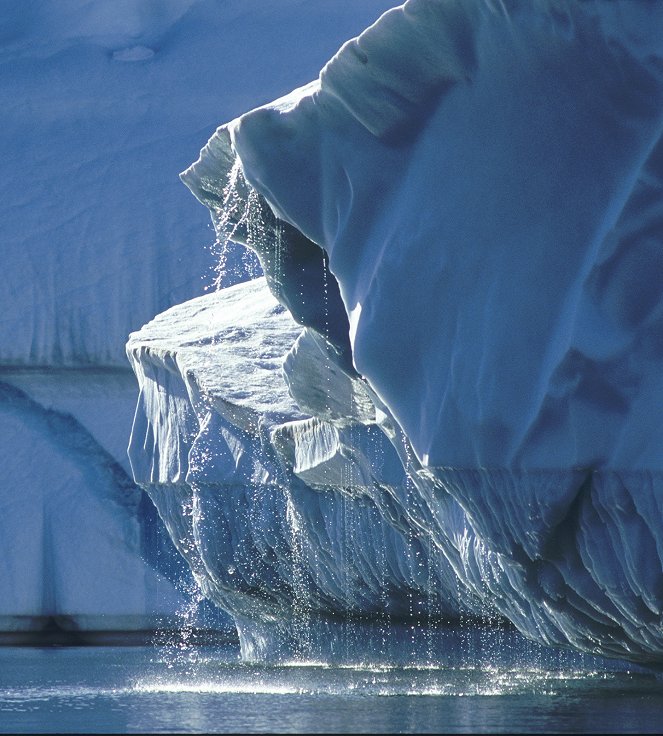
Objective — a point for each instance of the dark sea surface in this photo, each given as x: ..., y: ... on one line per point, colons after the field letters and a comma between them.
x: 151, y: 689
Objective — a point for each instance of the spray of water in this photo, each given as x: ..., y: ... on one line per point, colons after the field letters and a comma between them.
x: 237, y: 220
x: 301, y: 604
x: 178, y: 647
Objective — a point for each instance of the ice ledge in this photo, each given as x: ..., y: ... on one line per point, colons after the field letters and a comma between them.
x: 290, y: 520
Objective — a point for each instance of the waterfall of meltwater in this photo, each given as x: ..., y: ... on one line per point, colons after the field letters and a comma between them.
x: 365, y: 586
x: 236, y: 221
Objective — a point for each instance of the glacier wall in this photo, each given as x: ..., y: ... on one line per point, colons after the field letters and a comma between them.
x: 100, y: 110
x: 483, y: 181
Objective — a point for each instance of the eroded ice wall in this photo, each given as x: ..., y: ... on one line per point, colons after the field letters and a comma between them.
x: 101, y: 107
x: 295, y: 524
x: 485, y: 182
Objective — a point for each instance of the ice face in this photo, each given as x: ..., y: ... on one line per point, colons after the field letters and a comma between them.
x: 534, y: 179
x: 286, y: 519
x: 101, y: 108
x: 484, y: 182
x: 298, y: 523
x: 50, y: 571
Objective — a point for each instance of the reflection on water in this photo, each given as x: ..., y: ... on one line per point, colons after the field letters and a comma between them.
x: 145, y: 689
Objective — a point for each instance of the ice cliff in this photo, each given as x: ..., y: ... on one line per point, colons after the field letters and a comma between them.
x: 101, y: 106
x: 459, y: 415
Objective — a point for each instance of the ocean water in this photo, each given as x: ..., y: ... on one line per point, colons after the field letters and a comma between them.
x: 152, y: 689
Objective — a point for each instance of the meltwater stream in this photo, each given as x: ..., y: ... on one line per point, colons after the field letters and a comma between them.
x: 210, y: 690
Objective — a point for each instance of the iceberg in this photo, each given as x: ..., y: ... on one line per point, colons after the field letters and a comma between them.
x: 51, y: 579
x: 463, y: 216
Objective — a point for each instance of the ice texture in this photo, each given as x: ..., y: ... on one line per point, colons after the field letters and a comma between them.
x: 287, y: 520
x: 101, y: 106
x: 484, y: 182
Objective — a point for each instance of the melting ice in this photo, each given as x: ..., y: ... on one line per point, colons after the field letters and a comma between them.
x: 478, y: 185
